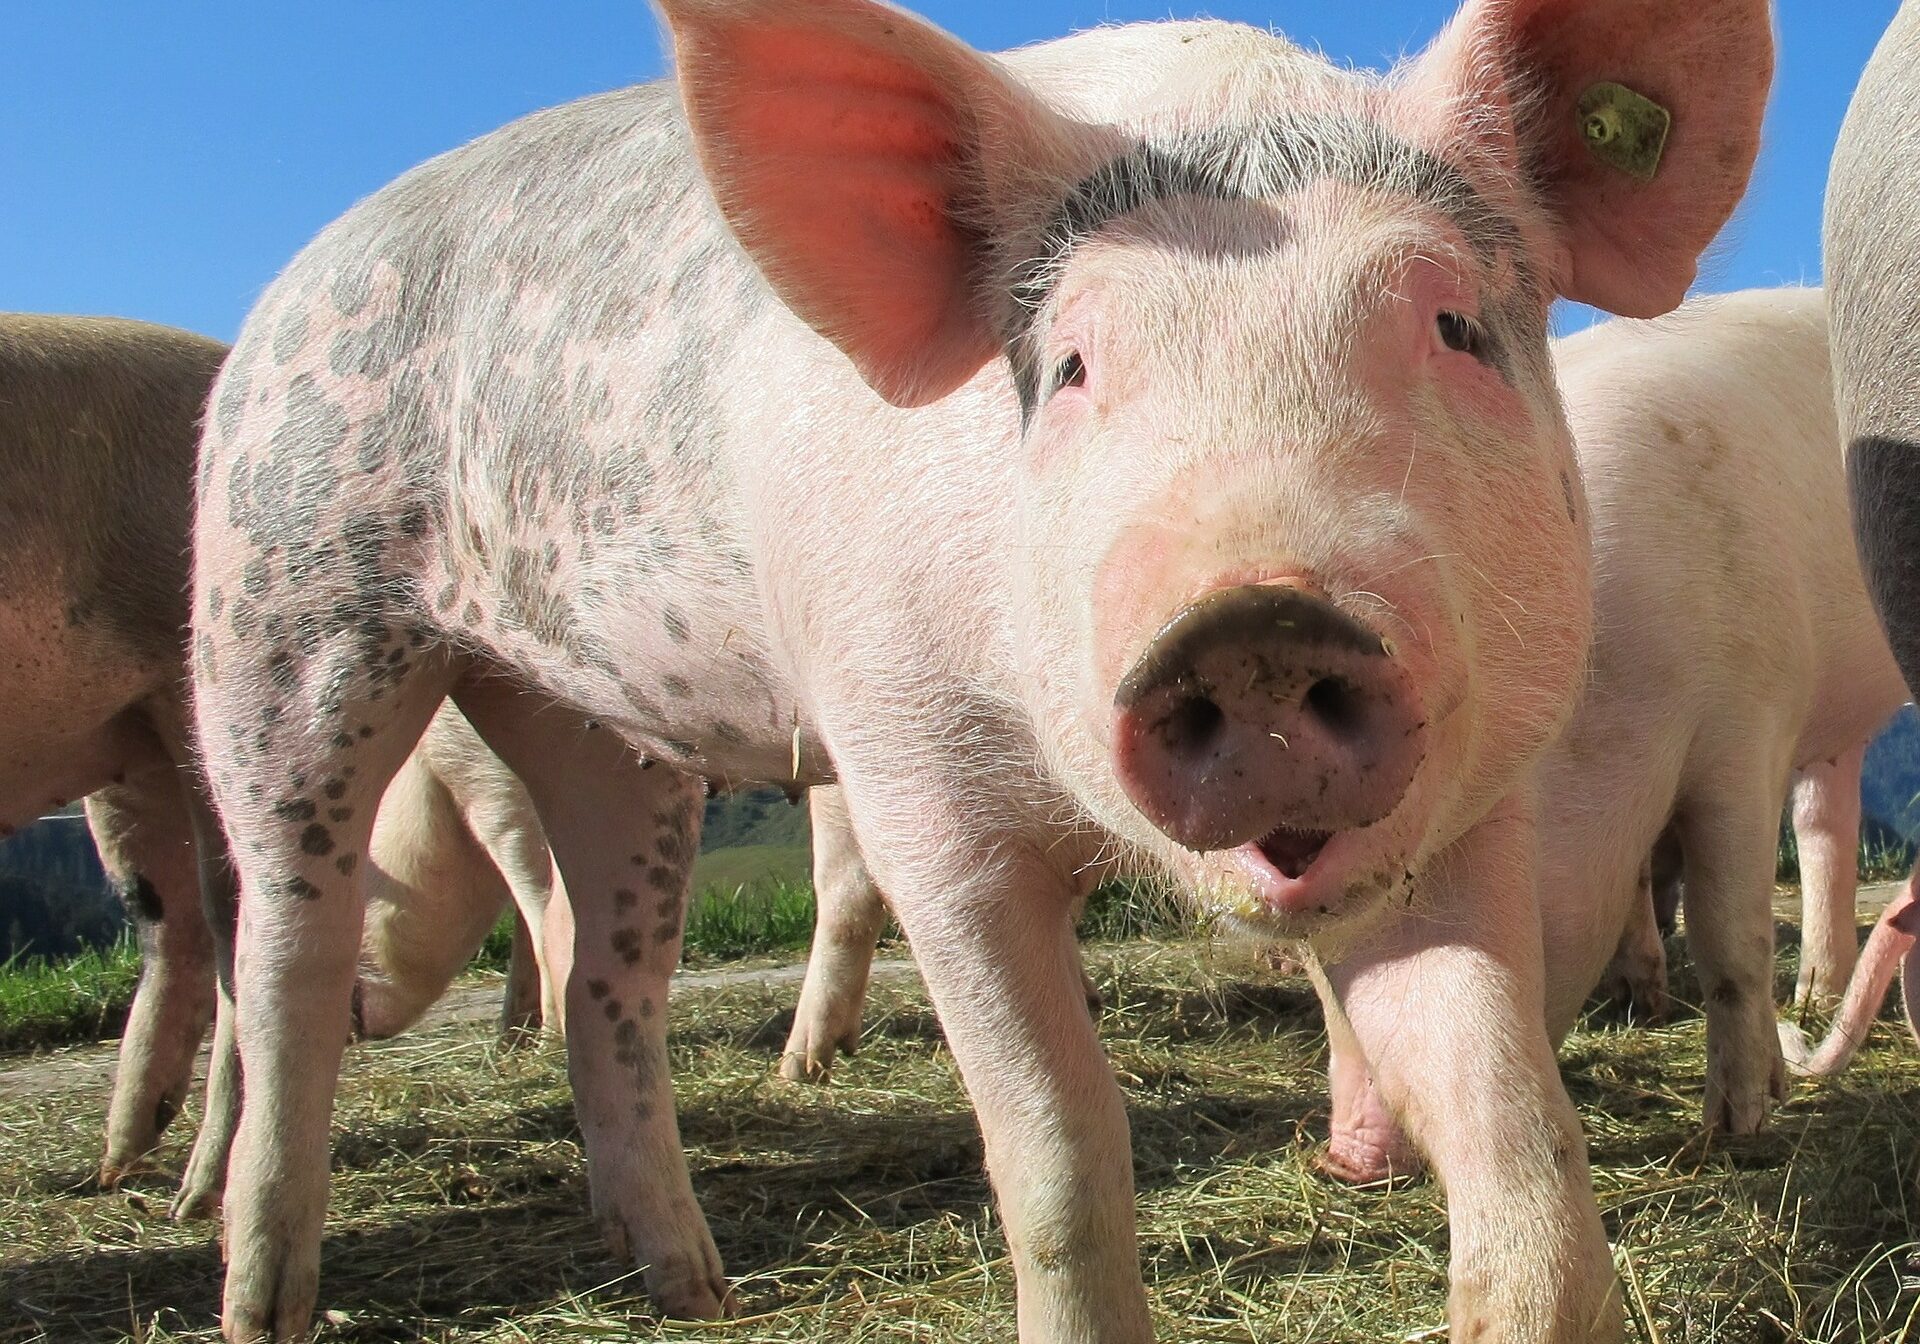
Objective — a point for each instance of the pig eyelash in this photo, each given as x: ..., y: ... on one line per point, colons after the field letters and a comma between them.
x: 1459, y: 332
x: 1069, y: 372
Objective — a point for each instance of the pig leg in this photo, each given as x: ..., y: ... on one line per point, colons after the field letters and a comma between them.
x: 502, y: 819
x: 624, y: 834
x: 520, y: 1015
x: 1730, y: 836
x: 298, y: 766
x: 205, y: 1176
x: 1826, y: 830
x: 1446, y: 1003
x: 146, y: 846
x: 989, y: 917
x: 432, y: 895
x: 850, y: 915
x: 1636, y: 978
x: 1366, y: 1144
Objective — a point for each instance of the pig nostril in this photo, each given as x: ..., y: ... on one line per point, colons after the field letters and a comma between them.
x: 1336, y: 704
x: 1193, y: 724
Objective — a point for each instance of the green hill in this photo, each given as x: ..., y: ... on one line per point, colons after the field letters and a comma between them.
x: 753, y: 817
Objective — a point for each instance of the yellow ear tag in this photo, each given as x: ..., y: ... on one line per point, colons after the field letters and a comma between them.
x: 1624, y: 129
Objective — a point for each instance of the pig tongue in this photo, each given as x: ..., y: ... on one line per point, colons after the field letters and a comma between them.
x: 1293, y: 852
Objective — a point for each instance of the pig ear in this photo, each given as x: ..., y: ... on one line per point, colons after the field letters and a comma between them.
x: 847, y: 143
x: 1637, y: 121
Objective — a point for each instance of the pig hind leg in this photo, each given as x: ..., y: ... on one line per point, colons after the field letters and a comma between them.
x: 623, y: 835
x: 1729, y: 833
x: 300, y: 743
x: 146, y: 845
x: 205, y: 1176
x: 1636, y: 978
x: 850, y: 915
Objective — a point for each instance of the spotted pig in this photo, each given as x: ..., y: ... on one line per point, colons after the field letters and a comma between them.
x: 1139, y: 448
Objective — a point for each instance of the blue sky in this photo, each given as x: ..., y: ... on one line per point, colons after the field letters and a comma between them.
x: 164, y: 161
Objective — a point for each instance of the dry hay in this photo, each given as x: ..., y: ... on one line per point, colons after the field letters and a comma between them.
x: 857, y: 1212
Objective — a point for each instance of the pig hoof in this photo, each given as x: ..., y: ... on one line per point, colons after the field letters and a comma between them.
x: 811, y: 1047
x: 1639, y: 999
x: 268, y: 1313
x: 114, y: 1171
x: 693, y: 1293
x: 1355, y: 1162
x: 803, y: 1067
x: 193, y: 1204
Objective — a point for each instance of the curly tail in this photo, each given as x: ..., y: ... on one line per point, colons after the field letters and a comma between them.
x: 1893, y: 945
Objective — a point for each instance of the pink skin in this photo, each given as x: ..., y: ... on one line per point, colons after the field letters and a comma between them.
x: 1825, y: 805
x: 99, y: 427
x: 455, y: 840
x: 1709, y: 685
x: 1636, y: 978
x: 850, y: 914
x: 1890, y: 947
x: 1826, y: 831
x: 510, y: 460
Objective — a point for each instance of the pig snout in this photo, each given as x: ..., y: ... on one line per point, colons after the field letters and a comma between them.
x: 1264, y: 713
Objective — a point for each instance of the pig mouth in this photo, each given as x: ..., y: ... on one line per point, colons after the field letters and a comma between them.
x: 1292, y: 851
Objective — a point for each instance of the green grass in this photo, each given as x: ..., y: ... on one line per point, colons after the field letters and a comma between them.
x: 82, y: 998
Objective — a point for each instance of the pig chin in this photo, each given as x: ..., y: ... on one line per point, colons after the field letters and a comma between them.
x: 1297, y: 884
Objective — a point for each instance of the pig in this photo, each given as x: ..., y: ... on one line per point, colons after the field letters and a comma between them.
x: 98, y: 423
x: 455, y: 842
x: 98, y: 426
x: 1733, y: 644
x: 1872, y: 238
x: 1141, y: 446
x: 1825, y: 813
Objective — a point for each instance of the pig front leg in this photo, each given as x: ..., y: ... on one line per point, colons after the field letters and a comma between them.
x: 850, y: 913
x: 988, y: 912
x: 146, y: 846
x: 1826, y: 831
x: 1447, y: 1005
x: 624, y: 834
x: 1730, y: 837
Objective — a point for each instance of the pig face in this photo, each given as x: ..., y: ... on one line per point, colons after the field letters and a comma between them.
x: 1336, y: 392
x: 1301, y: 573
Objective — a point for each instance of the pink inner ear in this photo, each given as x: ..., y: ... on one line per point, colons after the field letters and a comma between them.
x: 840, y: 162
x: 1628, y: 246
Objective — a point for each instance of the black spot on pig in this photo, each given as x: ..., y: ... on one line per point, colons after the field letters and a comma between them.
x: 140, y: 898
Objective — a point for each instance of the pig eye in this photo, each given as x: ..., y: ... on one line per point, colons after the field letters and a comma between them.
x: 1462, y: 333
x: 1070, y: 372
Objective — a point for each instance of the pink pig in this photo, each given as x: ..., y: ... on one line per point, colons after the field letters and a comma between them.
x: 1734, y: 644
x: 1141, y: 448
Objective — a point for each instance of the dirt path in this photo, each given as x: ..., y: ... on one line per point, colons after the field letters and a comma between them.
x: 478, y: 998
x: 474, y: 999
